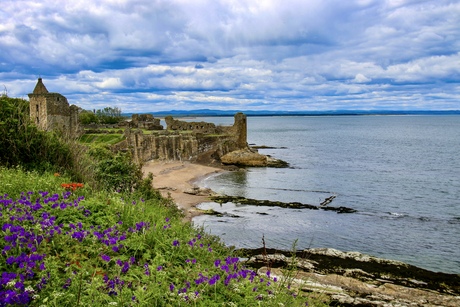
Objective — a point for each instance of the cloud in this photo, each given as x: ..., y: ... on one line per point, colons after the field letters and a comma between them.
x: 360, y: 78
x: 317, y: 54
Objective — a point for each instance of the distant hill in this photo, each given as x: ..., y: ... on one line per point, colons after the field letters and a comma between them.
x: 209, y: 112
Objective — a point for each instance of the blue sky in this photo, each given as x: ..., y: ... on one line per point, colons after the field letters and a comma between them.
x: 312, y: 55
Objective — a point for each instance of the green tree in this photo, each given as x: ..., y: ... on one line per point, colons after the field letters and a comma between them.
x: 88, y: 117
x: 109, y: 115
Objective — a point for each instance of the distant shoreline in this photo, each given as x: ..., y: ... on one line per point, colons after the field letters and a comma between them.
x: 226, y: 113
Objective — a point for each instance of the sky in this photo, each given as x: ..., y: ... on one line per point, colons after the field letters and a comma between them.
x: 291, y: 55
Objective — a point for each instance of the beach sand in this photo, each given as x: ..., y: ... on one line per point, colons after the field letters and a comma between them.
x: 174, y: 178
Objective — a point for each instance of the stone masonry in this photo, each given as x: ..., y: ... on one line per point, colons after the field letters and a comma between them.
x: 51, y: 111
x: 191, y: 141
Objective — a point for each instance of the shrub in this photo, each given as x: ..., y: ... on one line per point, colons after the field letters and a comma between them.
x: 115, y: 171
x: 87, y: 117
x: 21, y: 143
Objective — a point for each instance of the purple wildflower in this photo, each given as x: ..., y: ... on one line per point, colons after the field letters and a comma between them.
x: 125, y: 267
x: 224, y: 268
x: 214, y: 279
x: 146, y: 268
x: 67, y: 283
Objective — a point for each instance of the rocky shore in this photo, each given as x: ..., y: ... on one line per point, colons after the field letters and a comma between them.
x: 355, y: 279
x: 221, y: 199
x: 345, y: 278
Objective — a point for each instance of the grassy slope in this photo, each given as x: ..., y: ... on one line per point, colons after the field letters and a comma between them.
x: 93, y: 248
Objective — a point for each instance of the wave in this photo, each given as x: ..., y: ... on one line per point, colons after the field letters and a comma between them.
x: 396, y: 214
x: 432, y: 219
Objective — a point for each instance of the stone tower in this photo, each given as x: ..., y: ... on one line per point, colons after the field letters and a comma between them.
x: 51, y: 111
x: 240, y: 127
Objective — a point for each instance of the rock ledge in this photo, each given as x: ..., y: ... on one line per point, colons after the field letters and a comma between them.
x: 250, y: 157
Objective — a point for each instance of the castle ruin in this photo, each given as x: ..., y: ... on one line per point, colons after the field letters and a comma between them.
x: 191, y: 141
x: 51, y: 111
x: 144, y: 136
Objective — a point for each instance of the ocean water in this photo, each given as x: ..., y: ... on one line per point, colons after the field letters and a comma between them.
x: 402, y: 174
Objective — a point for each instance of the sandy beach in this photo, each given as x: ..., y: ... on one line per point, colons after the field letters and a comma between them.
x: 176, y: 179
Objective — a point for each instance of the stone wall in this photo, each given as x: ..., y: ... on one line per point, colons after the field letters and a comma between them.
x: 238, y: 131
x: 145, y: 121
x: 182, y: 141
x: 38, y: 111
x: 51, y: 111
x: 199, y: 127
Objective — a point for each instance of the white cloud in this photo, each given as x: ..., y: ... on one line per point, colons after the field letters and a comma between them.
x: 360, y: 78
x: 260, y: 54
x: 109, y: 83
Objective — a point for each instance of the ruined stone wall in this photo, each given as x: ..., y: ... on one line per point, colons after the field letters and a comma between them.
x: 200, y: 127
x: 38, y: 111
x: 58, y: 112
x: 193, y: 146
x: 239, y: 130
x: 161, y: 146
x: 145, y: 121
x: 74, y: 124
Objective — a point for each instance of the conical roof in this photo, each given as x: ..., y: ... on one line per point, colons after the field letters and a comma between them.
x: 40, y: 87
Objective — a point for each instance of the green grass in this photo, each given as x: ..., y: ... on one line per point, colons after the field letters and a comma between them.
x: 106, y: 139
x: 96, y: 248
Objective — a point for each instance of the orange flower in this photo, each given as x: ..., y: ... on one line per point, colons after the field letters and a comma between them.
x: 57, y: 174
x: 72, y: 186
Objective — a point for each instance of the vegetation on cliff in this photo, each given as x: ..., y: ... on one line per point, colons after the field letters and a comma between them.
x: 106, y: 115
x: 82, y: 227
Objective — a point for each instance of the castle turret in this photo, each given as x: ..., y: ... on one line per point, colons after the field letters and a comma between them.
x: 51, y: 111
x: 40, y: 88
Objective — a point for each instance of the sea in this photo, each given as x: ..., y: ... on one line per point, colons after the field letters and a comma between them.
x: 401, y: 174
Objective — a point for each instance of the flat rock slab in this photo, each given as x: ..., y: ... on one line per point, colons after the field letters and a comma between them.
x: 355, y: 279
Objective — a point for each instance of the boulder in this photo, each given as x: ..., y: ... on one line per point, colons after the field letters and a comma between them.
x: 197, y: 191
